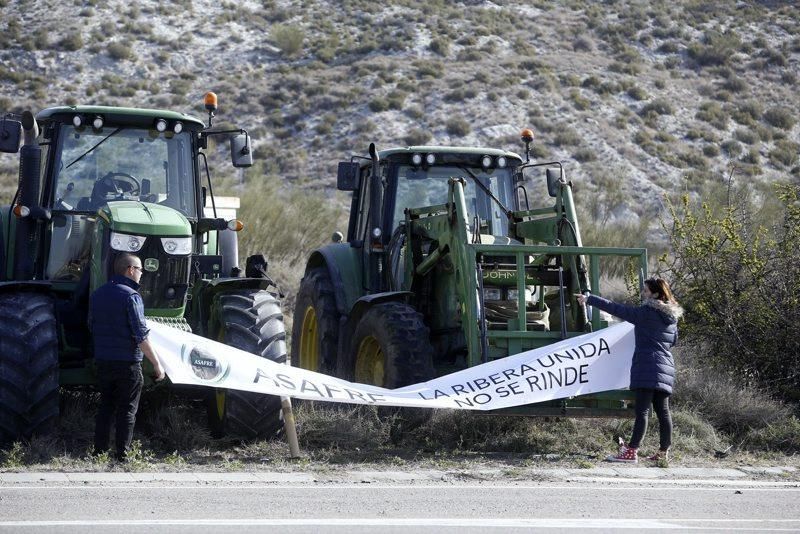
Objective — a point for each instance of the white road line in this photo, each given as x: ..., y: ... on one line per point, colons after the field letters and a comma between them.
x: 597, y: 523
x: 740, y: 485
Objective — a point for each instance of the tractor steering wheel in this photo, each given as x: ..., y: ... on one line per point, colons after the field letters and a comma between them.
x: 129, y: 185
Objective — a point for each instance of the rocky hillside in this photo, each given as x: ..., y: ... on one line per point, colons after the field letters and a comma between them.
x: 637, y: 98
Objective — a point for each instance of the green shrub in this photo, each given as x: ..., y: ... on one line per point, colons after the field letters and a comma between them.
x: 735, y: 84
x: 637, y: 93
x: 458, y: 126
x: 71, y: 42
x: 567, y: 137
x: 712, y: 113
x: 378, y: 104
x: 712, y: 151
x: 783, y: 436
x: 579, y: 102
x: 440, y: 45
x: 288, y: 38
x: 732, y: 148
x: 752, y: 157
x: 584, y: 155
x: 716, y: 48
x: 784, y: 153
x: 780, y: 117
x: 417, y: 136
x: 659, y: 106
x: 739, y: 278
x: 747, y: 137
x: 119, y: 51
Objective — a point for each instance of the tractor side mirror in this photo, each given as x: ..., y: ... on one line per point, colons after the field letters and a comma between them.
x: 347, y: 176
x: 10, y: 136
x: 241, y: 154
x: 553, y: 179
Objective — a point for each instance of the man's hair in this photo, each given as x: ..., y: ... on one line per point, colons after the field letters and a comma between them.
x: 124, y: 261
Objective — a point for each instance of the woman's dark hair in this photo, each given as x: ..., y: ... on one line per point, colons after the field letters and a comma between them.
x: 660, y: 287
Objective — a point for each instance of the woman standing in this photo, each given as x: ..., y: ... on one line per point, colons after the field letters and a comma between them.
x: 652, y: 368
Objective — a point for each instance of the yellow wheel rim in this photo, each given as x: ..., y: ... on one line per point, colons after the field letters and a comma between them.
x: 369, y: 362
x: 219, y: 396
x: 309, y: 340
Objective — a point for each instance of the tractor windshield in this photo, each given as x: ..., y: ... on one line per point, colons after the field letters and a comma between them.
x: 120, y: 163
x: 418, y: 188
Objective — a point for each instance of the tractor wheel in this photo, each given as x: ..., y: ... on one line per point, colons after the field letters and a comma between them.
x: 390, y: 347
x: 315, y: 332
x: 250, y: 320
x: 28, y: 366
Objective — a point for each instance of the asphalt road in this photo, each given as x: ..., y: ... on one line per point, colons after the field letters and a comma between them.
x: 519, y: 506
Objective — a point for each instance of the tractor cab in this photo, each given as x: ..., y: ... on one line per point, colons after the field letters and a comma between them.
x: 98, y: 162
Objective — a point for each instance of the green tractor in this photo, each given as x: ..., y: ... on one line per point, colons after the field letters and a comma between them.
x: 453, y: 258
x: 97, y: 181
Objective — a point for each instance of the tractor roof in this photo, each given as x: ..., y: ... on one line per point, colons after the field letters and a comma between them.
x: 132, y: 116
x: 448, y: 150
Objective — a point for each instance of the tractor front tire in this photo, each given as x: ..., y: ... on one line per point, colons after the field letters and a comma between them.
x: 315, y: 330
x: 250, y: 320
x: 390, y: 347
x: 29, y: 393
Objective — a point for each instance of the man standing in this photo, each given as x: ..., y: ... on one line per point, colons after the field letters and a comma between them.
x: 120, y: 338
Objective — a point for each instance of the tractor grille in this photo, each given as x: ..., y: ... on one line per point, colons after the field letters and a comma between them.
x: 165, y: 287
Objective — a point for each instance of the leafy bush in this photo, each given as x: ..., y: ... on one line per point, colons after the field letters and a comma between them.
x: 740, y: 282
x: 71, y: 42
x: 458, y: 126
x: 637, y: 93
x: 440, y: 45
x: 784, y: 153
x: 715, y: 49
x: 119, y: 50
x: 378, y: 104
x: 289, y: 39
x: 659, y: 106
x: 712, y: 113
x: 780, y: 117
x: 417, y: 136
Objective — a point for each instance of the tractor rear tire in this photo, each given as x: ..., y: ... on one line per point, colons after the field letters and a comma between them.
x: 29, y: 394
x: 315, y: 330
x: 390, y: 347
x: 250, y: 320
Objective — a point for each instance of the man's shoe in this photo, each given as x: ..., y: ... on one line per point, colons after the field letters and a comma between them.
x: 626, y: 455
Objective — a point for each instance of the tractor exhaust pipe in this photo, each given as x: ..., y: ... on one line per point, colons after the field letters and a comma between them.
x: 26, y: 244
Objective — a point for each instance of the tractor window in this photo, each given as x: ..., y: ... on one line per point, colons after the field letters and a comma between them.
x: 418, y: 188
x: 94, y: 167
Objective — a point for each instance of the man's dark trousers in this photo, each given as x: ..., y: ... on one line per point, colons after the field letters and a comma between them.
x: 120, y: 385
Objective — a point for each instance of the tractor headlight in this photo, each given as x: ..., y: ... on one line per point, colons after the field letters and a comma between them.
x: 492, y: 293
x: 126, y: 242
x: 177, y: 245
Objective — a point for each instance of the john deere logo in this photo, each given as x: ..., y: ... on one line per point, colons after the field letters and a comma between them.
x: 205, y: 366
x: 151, y: 264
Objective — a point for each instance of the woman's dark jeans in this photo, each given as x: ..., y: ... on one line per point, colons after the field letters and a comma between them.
x: 120, y: 385
x: 660, y: 401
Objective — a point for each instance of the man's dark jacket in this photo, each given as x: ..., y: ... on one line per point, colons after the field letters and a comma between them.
x: 656, y: 331
x: 117, y: 321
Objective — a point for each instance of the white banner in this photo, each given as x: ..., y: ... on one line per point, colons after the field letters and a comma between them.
x: 590, y: 363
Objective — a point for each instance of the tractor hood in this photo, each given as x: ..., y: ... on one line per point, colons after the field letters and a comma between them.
x: 144, y: 218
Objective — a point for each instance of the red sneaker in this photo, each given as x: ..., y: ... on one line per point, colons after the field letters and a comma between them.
x: 659, y: 456
x: 626, y: 455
